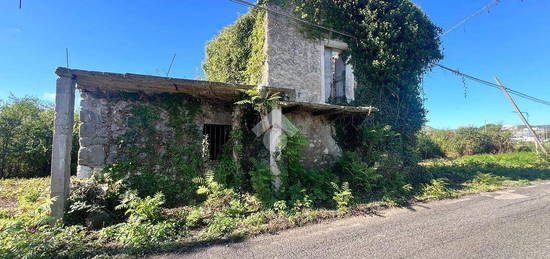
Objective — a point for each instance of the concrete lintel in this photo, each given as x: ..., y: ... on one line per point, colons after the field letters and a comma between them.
x: 62, y: 145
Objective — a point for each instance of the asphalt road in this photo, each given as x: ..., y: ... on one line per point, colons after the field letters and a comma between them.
x: 513, y: 223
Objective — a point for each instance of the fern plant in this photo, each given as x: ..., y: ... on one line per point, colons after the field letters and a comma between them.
x: 141, y: 210
x: 342, y: 196
x: 261, y: 101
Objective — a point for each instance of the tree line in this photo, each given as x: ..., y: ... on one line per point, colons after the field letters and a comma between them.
x: 26, y: 132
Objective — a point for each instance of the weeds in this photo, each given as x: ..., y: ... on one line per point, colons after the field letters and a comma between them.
x: 436, y: 189
x: 142, y: 224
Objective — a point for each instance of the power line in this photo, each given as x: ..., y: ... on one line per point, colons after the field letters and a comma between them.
x: 171, y: 63
x: 476, y: 13
x: 487, y: 83
x: 493, y: 85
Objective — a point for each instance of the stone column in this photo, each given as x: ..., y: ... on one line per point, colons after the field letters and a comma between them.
x: 62, y: 144
x: 276, y: 119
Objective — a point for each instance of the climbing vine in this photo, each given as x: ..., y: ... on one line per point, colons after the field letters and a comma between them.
x: 160, y: 149
x: 236, y: 55
x: 393, y: 46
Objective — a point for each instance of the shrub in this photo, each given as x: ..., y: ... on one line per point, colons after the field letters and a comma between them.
x: 29, y: 234
x: 363, y: 179
x: 145, y: 225
x: 426, y: 146
x: 491, y: 138
x: 43, y: 241
x: 297, y: 181
x: 92, y: 205
x: 26, y: 126
x: 261, y: 179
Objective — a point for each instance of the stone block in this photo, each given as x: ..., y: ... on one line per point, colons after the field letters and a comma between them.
x: 88, y: 130
x: 93, y: 156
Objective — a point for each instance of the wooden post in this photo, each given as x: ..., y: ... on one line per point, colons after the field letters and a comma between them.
x: 62, y: 145
x: 538, y: 142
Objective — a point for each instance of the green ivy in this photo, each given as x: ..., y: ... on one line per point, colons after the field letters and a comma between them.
x: 394, y: 47
x: 155, y: 162
x: 237, y: 53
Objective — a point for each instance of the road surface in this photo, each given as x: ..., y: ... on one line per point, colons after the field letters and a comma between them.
x: 512, y: 223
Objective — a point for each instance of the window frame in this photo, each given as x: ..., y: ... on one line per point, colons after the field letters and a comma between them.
x: 349, y: 80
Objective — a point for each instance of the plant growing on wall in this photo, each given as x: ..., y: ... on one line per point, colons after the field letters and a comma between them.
x: 236, y: 54
x: 393, y: 46
x: 261, y: 101
x: 158, y: 160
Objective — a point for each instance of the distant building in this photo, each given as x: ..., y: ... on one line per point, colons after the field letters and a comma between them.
x: 522, y: 133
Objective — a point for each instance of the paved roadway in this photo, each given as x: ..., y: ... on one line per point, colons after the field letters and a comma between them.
x: 513, y: 223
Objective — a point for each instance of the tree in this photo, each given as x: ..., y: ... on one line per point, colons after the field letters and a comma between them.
x: 26, y: 129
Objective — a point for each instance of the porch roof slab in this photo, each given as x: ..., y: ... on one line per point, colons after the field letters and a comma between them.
x: 105, y: 81
x: 326, y: 109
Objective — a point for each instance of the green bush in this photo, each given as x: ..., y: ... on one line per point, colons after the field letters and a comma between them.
x: 297, y: 181
x: 144, y: 226
x: 364, y: 180
x: 24, y: 241
x: 427, y: 148
x: 92, y: 205
x: 262, y: 181
x: 488, y: 139
x: 26, y: 126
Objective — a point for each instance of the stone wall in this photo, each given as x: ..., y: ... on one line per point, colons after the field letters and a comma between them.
x: 322, y: 149
x: 292, y: 60
x: 104, y: 118
x: 297, y: 62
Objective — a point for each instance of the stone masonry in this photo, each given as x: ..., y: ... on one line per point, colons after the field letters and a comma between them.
x: 104, y: 119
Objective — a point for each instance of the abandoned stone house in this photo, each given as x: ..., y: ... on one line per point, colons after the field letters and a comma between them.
x: 307, y: 73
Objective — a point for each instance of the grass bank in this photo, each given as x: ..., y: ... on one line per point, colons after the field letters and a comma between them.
x: 477, y: 173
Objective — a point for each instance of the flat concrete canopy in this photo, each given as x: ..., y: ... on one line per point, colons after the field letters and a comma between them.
x: 326, y: 109
x: 104, y: 81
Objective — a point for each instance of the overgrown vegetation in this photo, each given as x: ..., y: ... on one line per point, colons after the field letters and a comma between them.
x: 26, y: 126
x: 162, y: 194
x: 488, y: 139
x: 160, y: 151
x: 236, y: 54
x: 146, y: 225
x: 394, y: 45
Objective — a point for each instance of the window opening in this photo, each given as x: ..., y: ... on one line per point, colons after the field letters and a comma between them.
x: 335, y: 74
x: 218, y: 136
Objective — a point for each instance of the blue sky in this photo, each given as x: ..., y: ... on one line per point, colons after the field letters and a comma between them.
x: 140, y: 36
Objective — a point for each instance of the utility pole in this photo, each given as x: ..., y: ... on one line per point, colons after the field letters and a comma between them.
x: 538, y: 142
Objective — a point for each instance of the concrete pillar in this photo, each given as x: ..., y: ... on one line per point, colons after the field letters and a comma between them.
x: 237, y: 127
x: 62, y: 144
x: 275, y: 135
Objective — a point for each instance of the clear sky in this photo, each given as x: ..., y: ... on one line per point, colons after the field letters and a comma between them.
x: 140, y: 36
